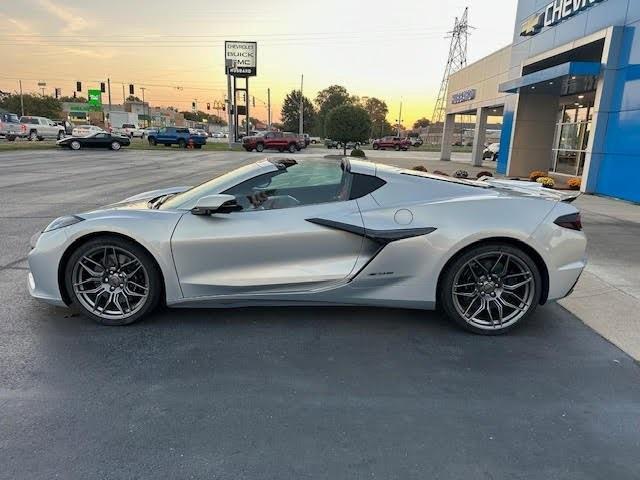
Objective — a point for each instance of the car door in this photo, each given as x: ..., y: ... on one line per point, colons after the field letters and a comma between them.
x: 271, y: 246
x: 163, y: 135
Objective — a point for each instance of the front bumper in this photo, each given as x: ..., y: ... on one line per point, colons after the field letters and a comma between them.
x: 43, y: 260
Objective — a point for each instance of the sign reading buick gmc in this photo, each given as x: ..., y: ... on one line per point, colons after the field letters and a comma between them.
x: 240, y: 58
x: 554, y: 13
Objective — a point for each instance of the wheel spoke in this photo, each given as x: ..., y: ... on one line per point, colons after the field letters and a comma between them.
x: 510, y: 305
x: 82, y: 282
x: 514, y: 275
x: 483, y: 305
x: 470, y: 305
x: 481, y: 265
x: 505, y: 269
x: 93, y: 290
x: 493, y: 322
x: 130, y: 262
x: 493, y: 269
x: 131, y: 293
x: 462, y: 294
x: 518, y: 285
x: 521, y: 300
x: 473, y: 273
x: 96, y: 300
x: 137, y: 285
x: 500, y: 311
x: 134, y: 272
x: 116, y: 302
x: 115, y: 257
x: 90, y: 271
x: 465, y: 285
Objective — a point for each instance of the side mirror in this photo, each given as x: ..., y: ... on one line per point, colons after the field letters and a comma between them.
x: 216, y: 204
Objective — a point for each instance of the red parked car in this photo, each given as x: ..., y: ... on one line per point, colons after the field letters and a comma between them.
x: 395, y: 143
x: 272, y: 141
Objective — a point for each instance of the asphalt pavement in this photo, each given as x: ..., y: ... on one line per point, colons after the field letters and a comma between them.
x: 278, y: 393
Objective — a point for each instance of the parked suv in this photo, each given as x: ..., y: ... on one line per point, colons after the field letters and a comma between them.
x: 492, y: 151
x: 39, y: 128
x: 395, y: 143
x: 11, y: 128
x: 180, y: 136
x: 272, y: 141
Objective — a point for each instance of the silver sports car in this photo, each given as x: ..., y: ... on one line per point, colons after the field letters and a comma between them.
x: 318, y: 232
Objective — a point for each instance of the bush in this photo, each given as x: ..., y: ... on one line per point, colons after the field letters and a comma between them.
x: 438, y: 172
x: 461, y: 174
x: 574, y: 183
x: 420, y: 168
x: 356, y: 152
x: 546, y: 182
x: 536, y: 174
x: 484, y: 174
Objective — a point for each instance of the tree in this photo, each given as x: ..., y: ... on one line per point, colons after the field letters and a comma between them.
x: 73, y: 99
x: 377, y: 110
x: 203, y: 117
x: 36, y: 105
x: 348, y: 123
x: 328, y: 99
x: 290, y: 112
x: 133, y: 98
x: 422, y: 123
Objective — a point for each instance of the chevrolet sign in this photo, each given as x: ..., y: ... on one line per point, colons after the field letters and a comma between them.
x: 554, y: 13
x: 462, y: 97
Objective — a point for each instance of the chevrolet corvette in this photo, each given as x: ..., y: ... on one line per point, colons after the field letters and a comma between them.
x: 318, y: 231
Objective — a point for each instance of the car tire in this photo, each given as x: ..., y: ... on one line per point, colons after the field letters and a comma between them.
x: 152, y: 141
x: 376, y: 146
x: 134, y: 289
x: 33, y: 136
x: 397, y: 148
x: 494, y: 157
x: 281, y: 150
x: 498, y: 282
x: 198, y: 147
x: 292, y: 148
x: 75, y: 145
x: 60, y: 135
x: 182, y: 143
x: 260, y: 147
x: 11, y: 139
x: 115, y: 146
x: 167, y: 144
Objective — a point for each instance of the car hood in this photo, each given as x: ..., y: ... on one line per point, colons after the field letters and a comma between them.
x: 151, y: 194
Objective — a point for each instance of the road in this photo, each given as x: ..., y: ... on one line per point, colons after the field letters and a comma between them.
x: 278, y: 393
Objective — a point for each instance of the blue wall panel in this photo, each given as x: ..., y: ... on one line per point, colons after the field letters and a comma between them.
x: 619, y: 176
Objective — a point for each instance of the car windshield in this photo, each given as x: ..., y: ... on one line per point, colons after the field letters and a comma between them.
x: 188, y: 199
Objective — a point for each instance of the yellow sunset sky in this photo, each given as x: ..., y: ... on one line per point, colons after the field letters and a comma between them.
x: 395, y: 51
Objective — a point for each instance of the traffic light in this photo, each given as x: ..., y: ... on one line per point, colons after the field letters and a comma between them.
x: 78, y: 86
x: 193, y: 105
x: 253, y: 101
x: 208, y: 106
x: 58, y: 92
x: 224, y: 108
x: 74, y: 94
x: 131, y: 91
x: 103, y: 87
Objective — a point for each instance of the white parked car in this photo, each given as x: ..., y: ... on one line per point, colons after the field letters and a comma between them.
x: 39, y: 128
x: 492, y: 151
x: 85, y: 130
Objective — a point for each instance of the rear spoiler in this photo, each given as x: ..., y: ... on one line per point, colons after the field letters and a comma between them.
x: 532, y: 188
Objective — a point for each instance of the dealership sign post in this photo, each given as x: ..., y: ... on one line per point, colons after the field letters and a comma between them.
x: 240, y: 61
x: 95, y: 99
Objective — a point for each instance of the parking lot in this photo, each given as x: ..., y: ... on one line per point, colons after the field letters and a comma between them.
x: 280, y: 393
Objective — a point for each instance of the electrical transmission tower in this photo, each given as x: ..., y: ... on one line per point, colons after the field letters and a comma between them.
x: 456, y: 61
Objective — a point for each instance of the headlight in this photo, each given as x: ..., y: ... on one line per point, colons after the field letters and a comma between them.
x: 63, y: 222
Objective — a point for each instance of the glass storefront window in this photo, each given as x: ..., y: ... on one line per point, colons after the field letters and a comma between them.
x: 572, y: 136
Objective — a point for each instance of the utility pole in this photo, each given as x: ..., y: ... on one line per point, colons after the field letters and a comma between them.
x: 143, y: 109
x: 230, y: 103
x: 301, y: 126
x: 123, y: 98
x: 21, y: 99
x: 456, y: 61
x: 268, y: 109
x: 399, y: 121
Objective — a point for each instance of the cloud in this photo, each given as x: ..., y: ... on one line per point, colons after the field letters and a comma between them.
x: 22, y: 26
x: 73, y: 21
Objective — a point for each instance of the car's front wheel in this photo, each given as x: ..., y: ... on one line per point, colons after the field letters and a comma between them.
x: 75, y: 145
x: 260, y: 147
x: 113, y: 281
x: 292, y: 148
x: 152, y: 141
x: 115, y: 146
x: 491, y: 288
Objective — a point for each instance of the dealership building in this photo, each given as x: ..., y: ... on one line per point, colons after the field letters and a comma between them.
x: 568, y: 91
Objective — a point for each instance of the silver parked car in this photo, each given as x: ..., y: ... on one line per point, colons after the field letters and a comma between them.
x: 39, y: 128
x: 318, y: 232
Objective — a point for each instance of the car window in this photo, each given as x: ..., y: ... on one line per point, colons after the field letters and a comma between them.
x: 29, y: 120
x: 100, y: 135
x: 163, y: 130
x: 305, y: 183
x: 182, y: 130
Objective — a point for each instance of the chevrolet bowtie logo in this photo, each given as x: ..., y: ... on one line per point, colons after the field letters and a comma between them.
x: 532, y: 25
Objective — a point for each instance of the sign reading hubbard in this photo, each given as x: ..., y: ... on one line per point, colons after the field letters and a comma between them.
x: 554, y: 13
x: 240, y: 58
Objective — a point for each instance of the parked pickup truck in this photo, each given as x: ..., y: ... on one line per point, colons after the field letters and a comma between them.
x: 272, y: 141
x: 128, y: 130
x: 395, y: 143
x: 39, y: 128
x: 180, y: 136
x: 11, y: 128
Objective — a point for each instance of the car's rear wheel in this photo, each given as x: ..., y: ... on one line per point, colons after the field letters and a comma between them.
x: 397, y: 147
x: 11, y: 138
x: 376, y: 146
x: 260, y: 147
x: 33, y: 136
x: 60, y: 135
x: 113, y: 281
x: 490, y: 289
x: 115, y: 145
x: 152, y: 141
x: 182, y: 143
x: 75, y: 145
x: 292, y: 148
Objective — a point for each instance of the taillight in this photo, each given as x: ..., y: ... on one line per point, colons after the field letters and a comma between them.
x: 571, y: 221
